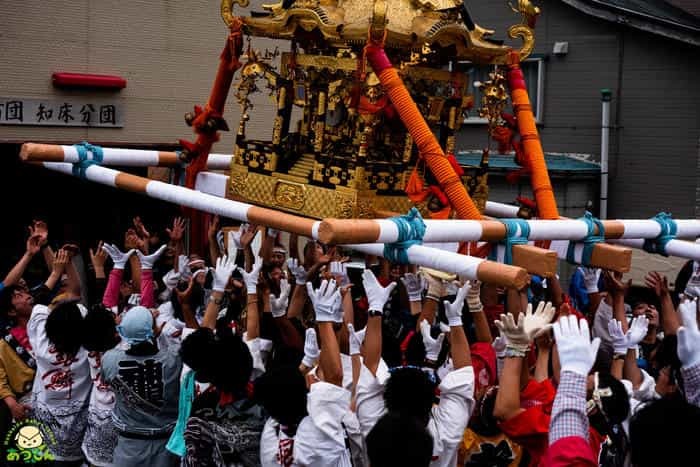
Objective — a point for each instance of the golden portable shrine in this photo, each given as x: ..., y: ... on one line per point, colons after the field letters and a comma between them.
x: 350, y: 155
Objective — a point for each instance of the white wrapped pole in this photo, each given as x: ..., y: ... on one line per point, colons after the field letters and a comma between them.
x: 465, y: 266
x: 32, y: 152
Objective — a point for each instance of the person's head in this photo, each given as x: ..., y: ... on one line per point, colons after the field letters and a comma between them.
x: 65, y: 327
x: 126, y: 288
x: 399, y: 440
x: 608, y: 403
x: 282, y: 392
x: 410, y: 392
x: 222, y: 359
x: 662, y: 433
x: 313, y: 251
x: 100, y: 330
x: 15, y: 302
x: 279, y: 256
x: 136, y: 326
x: 644, y: 302
x: 482, y: 420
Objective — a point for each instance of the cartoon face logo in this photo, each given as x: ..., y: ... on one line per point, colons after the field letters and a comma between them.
x: 29, y: 437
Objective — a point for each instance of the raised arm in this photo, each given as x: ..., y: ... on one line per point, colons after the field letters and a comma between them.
x: 625, y: 348
x: 436, y: 290
x: 519, y: 337
x: 111, y: 296
x: 414, y: 285
x: 148, y: 297
x: 670, y: 321
x: 15, y: 274
x: 252, y: 312
x: 459, y: 346
x: 568, y: 433
x: 689, y: 350
x: 212, y: 231
x: 476, y: 308
x: 224, y: 267
x: 377, y: 297
x: 324, y: 301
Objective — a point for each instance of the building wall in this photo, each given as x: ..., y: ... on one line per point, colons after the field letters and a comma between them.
x: 654, y: 145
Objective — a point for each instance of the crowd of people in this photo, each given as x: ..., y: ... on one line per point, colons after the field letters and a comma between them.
x: 144, y: 355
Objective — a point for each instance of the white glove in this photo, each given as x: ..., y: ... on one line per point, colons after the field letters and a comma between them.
x: 590, y: 279
x: 251, y: 278
x: 355, y: 339
x: 298, y: 270
x: 432, y: 346
x: 453, y: 311
x: 272, y: 232
x: 414, y: 284
x: 692, y: 288
x: 518, y: 339
x: 538, y: 322
x: 499, y: 345
x: 147, y: 262
x: 324, y: 301
x: 225, y: 265
x: 234, y: 239
x: 619, y: 339
x: 688, y: 334
x: 183, y: 267
x: 637, y: 331
x: 339, y: 269
x: 278, y: 305
x: 576, y: 351
x: 311, y: 350
x: 443, y: 327
x: 377, y: 296
x: 474, y: 297
x: 118, y: 258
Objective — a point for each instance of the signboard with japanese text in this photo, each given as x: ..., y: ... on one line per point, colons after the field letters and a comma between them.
x: 70, y: 111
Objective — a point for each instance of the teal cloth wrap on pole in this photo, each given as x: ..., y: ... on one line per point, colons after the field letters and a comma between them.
x: 669, y: 228
x: 84, y: 162
x: 176, y: 443
x: 589, y: 241
x: 411, y: 231
x: 517, y: 233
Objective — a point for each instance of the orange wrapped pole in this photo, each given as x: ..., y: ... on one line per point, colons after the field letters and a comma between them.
x: 424, y: 138
x: 541, y: 185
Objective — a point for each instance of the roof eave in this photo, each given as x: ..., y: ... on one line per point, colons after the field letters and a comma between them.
x: 653, y: 25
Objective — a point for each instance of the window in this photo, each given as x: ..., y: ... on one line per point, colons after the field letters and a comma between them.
x: 533, y: 70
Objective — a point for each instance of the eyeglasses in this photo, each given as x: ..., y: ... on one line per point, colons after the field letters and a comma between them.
x: 432, y: 377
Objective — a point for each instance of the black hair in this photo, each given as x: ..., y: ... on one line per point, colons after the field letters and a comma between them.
x: 616, y: 409
x: 222, y: 359
x: 282, y: 392
x: 410, y: 392
x: 65, y: 327
x: 6, y: 300
x: 415, y: 350
x: 399, y: 440
x: 482, y: 420
x: 100, y: 330
x: 661, y: 433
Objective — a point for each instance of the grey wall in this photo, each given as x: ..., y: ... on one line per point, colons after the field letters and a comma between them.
x: 653, y: 152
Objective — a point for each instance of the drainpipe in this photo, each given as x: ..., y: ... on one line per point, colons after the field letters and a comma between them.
x: 606, y: 97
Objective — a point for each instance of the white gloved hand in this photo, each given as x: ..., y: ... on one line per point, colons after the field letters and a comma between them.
x: 118, y: 258
x: 474, y: 297
x: 453, y: 311
x: 518, y: 339
x: 272, y: 232
x: 225, y: 265
x: 297, y: 270
x: 251, y: 278
x: 432, y: 346
x: 414, y: 284
x: 637, y: 331
x: 499, y: 345
x: 540, y: 321
x: 355, y: 339
x: 377, y: 296
x: 443, y: 327
x: 577, y: 352
x: 324, y: 300
x: 147, y: 262
x: 339, y: 270
x: 688, y: 334
x: 590, y: 279
x: 183, y: 268
x: 278, y: 305
x: 619, y: 339
x: 311, y: 350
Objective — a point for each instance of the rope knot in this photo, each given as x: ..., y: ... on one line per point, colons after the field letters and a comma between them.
x: 88, y: 155
x: 669, y: 228
x: 588, y: 242
x: 517, y: 233
x: 411, y: 231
